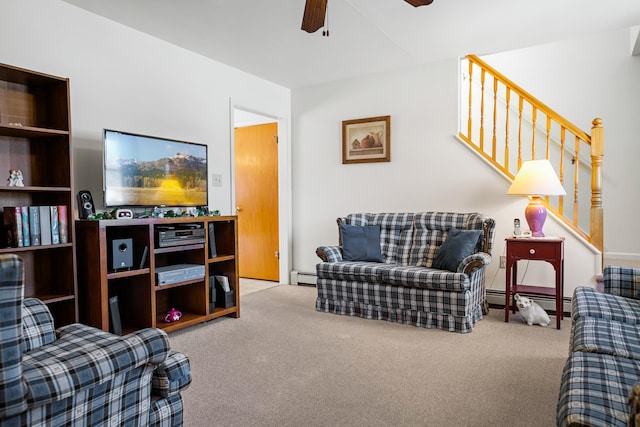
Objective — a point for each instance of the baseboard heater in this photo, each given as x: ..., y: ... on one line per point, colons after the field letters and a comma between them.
x: 303, y: 278
x: 495, y: 299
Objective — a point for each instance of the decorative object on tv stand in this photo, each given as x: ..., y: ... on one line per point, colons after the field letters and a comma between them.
x: 172, y: 316
x: 536, y: 178
x: 15, y: 178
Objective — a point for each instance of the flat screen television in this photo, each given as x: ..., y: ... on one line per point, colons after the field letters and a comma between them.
x: 147, y: 171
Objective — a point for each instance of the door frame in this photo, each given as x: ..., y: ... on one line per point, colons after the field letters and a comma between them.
x: 284, y: 184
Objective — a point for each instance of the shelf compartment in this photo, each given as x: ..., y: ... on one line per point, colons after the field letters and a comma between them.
x: 188, y: 299
x: 139, y: 235
x: 30, y: 99
x: 224, y: 234
x: 187, y: 319
x: 48, y: 272
x: 191, y: 254
x: 44, y: 162
x: 134, y: 301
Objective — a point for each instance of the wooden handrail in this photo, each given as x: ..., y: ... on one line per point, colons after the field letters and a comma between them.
x: 531, y: 110
x: 532, y: 99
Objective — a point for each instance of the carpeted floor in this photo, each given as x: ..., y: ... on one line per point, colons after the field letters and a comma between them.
x: 284, y: 364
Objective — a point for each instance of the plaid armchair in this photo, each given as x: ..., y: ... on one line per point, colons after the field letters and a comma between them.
x: 600, y: 381
x: 79, y: 375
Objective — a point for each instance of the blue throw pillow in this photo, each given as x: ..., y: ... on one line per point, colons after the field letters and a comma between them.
x: 361, y: 243
x: 458, y: 245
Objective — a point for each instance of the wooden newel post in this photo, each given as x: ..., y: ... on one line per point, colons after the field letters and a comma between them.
x: 597, y: 154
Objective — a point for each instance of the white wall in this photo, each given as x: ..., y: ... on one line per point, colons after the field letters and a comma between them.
x: 582, y: 79
x: 429, y: 168
x: 126, y: 80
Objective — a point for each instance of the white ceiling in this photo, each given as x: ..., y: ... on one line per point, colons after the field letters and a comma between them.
x: 263, y: 37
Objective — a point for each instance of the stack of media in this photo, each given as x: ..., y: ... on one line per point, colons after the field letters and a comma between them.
x: 177, y: 235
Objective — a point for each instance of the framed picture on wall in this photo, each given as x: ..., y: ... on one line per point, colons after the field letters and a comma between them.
x: 366, y: 140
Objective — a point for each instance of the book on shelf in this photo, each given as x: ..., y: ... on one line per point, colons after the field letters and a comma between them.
x: 212, y: 241
x: 55, y: 234
x: 223, y: 281
x: 34, y: 225
x: 62, y: 224
x: 45, y: 225
x: 13, y: 225
x: 26, y: 236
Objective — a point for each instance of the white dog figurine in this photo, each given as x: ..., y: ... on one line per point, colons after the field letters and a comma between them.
x: 531, y: 311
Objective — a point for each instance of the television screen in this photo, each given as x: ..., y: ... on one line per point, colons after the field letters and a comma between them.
x: 146, y: 171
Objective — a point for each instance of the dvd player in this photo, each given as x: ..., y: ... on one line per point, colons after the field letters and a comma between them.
x: 188, y: 234
x: 171, y: 274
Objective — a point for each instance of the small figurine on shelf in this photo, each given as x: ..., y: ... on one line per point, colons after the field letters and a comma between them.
x: 172, y: 316
x: 15, y: 178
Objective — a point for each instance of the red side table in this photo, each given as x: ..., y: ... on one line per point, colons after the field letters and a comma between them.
x: 550, y: 250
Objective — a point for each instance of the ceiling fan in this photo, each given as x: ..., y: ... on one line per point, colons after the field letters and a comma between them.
x: 316, y: 10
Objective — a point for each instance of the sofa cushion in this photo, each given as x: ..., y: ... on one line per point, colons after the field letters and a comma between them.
x: 594, y: 389
x: 458, y: 245
x: 426, y: 278
x: 587, y: 302
x: 396, y: 233
x: 595, y: 335
x: 430, y: 232
x: 361, y: 242
x: 370, y: 272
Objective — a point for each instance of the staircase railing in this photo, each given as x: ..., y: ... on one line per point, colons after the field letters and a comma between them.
x: 506, y: 125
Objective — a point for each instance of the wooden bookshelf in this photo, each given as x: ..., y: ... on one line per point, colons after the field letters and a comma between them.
x: 35, y: 138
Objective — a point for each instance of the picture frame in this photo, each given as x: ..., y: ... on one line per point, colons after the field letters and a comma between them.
x: 366, y: 140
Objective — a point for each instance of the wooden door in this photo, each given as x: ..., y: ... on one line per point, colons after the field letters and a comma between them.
x: 256, y: 169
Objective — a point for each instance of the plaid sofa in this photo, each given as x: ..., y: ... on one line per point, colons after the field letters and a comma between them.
x: 404, y: 288
x: 79, y: 375
x: 597, y: 385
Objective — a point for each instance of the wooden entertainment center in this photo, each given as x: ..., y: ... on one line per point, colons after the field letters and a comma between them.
x: 142, y: 300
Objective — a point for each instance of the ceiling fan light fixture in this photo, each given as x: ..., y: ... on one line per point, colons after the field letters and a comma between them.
x: 314, y: 15
x: 418, y: 3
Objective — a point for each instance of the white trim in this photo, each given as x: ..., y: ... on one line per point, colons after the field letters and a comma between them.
x: 622, y: 256
x: 284, y: 185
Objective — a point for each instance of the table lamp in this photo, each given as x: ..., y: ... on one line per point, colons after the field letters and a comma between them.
x: 536, y: 178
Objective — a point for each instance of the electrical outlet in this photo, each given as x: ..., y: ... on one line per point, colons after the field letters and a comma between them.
x: 503, y: 261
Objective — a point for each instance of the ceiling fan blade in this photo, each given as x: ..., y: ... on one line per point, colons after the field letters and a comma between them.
x: 416, y: 3
x: 314, y: 13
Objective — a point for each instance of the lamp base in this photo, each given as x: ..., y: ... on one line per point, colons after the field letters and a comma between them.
x: 536, y: 214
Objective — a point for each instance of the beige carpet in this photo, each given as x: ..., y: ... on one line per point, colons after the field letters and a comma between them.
x: 284, y: 364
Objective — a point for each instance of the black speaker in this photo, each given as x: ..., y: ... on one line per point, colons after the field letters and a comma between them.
x: 121, y: 253
x: 85, y: 204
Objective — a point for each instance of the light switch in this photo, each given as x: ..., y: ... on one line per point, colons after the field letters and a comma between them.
x: 216, y: 180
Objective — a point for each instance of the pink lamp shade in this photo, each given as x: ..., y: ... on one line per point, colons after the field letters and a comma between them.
x: 536, y: 178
